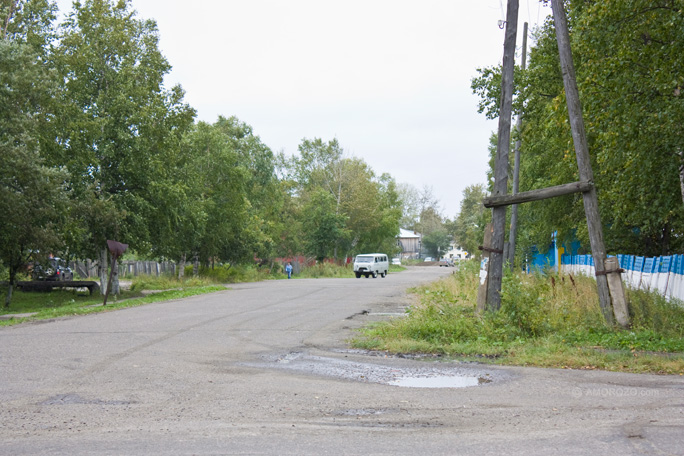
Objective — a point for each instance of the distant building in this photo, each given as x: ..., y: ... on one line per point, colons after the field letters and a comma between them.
x: 455, y: 253
x: 410, y: 243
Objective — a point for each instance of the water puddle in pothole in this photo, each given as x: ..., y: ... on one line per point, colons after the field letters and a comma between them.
x: 438, y: 382
x: 414, y: 376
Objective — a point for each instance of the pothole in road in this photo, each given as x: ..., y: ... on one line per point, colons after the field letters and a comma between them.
x: 401, y: 376
x: 442, y: 381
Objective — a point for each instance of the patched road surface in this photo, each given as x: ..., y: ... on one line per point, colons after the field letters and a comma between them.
x: 264, y: 368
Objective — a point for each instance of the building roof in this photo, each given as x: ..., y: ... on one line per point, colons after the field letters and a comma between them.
x: 408, y: 234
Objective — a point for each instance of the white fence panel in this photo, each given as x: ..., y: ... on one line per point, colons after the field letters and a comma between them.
x: 648, y: 275
x: 664, y: 275
x: 662, y: 280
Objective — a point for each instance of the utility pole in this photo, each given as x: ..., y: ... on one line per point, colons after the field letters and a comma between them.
x: 516, y: 168
x: 501, y: 164
x: 607, y: 270
x: 586, y: 174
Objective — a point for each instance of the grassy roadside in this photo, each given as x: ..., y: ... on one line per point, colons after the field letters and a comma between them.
x: 545, y: 321
x: 62, y: 303
x: 149, y: 289
x: 327, y: 270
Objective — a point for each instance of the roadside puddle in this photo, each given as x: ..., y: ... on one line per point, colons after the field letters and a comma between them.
x: 438, y: 382
x: 428, y: 376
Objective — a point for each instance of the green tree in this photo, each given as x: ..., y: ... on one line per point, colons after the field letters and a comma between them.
x: 323, y: 227
x: 468, y: 227
x: 437, y: 243
x: 118, y: 124
x: 261, y: 185
x: 384, y: 237
x: 219, y: 183
x: 632, y: 81
x: 369, y: 206
x: 410, y: 204
x: 32, y: 202
x: 627, y: 61
x: 430, y: 221
x: 32, y: 195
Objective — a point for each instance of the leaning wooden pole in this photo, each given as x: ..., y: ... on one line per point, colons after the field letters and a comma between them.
x: 109, y: 282
x: 501, y: 165
x: 579, y: 138
x: 513, y: 233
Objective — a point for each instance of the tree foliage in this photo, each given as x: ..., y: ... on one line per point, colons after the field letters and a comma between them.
x: 32, y: 195
x: 468, y: 227
x: 368, y: 207
x: 95, y: 147
x: 118, y: 126
x: 437, y: 243
x: 627, y: 58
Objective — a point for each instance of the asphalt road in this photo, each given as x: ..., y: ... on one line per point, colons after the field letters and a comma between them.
x: 264, y: 368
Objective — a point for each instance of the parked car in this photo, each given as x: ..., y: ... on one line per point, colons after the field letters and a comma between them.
x: 371, y: 264
x: 54, y: 269
x: 428, y: 259
x: 446, y: 262
x: 396, y: 261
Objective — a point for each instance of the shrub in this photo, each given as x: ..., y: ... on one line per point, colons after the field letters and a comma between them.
x: 324, y: 269
x: 544, y: 319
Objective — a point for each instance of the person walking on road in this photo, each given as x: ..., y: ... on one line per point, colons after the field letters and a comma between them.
x: 288, y: 269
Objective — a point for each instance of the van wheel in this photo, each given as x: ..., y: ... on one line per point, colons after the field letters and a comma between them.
x: 358, y: 275
x: 366, y: 274
x: 383, y: 274
x: 375, y: 274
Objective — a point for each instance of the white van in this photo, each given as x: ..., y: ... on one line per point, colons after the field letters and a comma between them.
x: 371, y: 264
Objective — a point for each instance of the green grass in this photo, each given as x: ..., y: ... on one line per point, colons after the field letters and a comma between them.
x: 329, y: 270
x: 548, y: 321
x: 325, y: 270
x: 62, y: 303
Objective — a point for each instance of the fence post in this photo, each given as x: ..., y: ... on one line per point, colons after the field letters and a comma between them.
x: 617, y: 291
x: 482, y: 290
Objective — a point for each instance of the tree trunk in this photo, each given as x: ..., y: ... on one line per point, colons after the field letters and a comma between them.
x: 10, y: 14
x: 115, y: 278
x: 681, y: 173
x: 665, y: 241
x: 10, y: 286
x: 181, y: 267
x: 102, y: 271
x: 195, y: 266
x: 8, y: 298
x: 337, y: 212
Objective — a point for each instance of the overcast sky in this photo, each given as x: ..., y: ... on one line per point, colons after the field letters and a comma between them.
x: 390, y: 79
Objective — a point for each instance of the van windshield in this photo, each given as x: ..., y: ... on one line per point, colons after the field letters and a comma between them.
x: 364, y: 259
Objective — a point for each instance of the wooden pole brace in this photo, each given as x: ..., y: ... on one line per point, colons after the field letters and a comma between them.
x: 606, y: 272
x: 489, y: 249
x: 540, y: 194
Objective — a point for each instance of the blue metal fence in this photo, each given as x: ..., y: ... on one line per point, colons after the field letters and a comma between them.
x: 664, y: 274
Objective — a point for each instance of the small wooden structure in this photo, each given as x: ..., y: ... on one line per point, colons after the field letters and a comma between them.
x: 410, y: 243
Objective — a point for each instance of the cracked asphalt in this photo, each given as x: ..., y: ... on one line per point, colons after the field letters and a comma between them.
x: 264, y: 368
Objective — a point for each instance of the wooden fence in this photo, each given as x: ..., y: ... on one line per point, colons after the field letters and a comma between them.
x: 88, y: 268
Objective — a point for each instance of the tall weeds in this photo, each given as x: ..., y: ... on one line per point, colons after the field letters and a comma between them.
x: 541, y: 318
